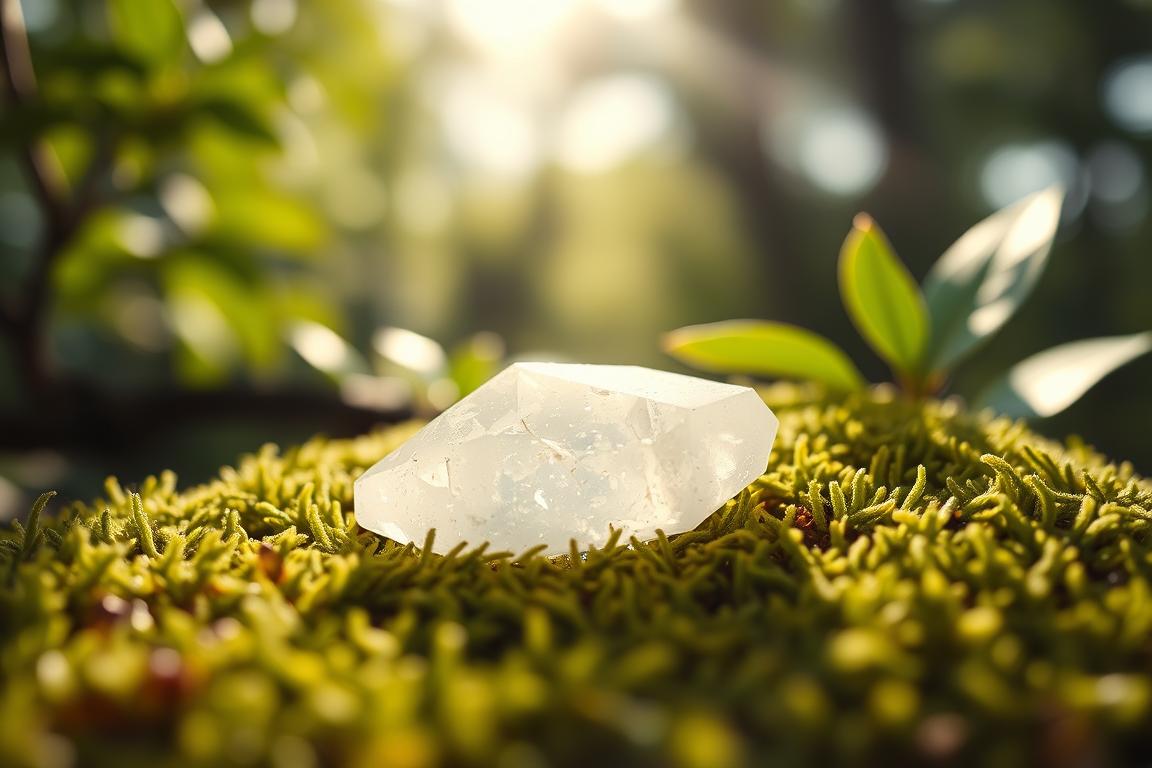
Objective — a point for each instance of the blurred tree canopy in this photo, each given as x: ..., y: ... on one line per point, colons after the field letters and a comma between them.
x: 215, y: 216
x: 179, y: 223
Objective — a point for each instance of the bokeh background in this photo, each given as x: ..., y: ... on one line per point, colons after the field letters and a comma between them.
x: 229, y: 222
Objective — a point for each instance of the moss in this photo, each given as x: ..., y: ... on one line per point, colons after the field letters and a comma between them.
x: 907, y: 583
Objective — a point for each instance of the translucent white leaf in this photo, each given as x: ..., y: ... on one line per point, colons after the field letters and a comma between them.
x: 1048, y: 382
x: 985, y: 276
x: 410, y: 350
x: 324, y: 349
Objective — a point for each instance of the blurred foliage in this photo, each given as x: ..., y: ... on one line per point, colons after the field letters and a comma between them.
x: 203, y: 245
x: 907, y: 584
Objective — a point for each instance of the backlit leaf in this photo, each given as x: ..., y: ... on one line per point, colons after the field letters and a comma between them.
x: 475, y: 360
x: 764, y: 348
x: 152, y: 30
x: 325, y: 350
x: 219, y: 316
x: 1049, y: 382
x: 882, y: 298
x: 985, y: 276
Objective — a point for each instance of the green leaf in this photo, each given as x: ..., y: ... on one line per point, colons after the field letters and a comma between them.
x: 475, y: 360
x: 256, y: 217
x: 238, y: 118
x: 91, y: 60
x: 152, y: 30
x: 985, y: 276
x: 220, y: 317
x: 1048, y: 382
x: 765, y: 348
x: 882, y: 298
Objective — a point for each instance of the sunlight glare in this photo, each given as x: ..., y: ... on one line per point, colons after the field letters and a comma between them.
x: 409, y: 349
x: 208, y: 37
x: 142, y: 236
x: 1016, y: 170
x: 509, y: 28
x: 843, y: 152
x: 321, y: 347
x: 1030, y: 232
x: 487, y: 130
x: 273, y: 17
x: 635, y: 10
x: 187, y: 203
x: 1128, y: 94
x: 839, y: 149
x: 381, y: 393
x: 611, y: 119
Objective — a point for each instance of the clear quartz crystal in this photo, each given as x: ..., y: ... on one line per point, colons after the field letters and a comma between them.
x: 544, y: 453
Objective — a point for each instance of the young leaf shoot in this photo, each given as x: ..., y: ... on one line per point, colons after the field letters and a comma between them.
x: 882, y: 298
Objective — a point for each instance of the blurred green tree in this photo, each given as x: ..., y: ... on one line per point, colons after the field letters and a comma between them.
x: 170, y: 241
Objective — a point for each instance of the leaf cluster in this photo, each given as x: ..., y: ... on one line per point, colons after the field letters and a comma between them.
x: 167, y: 131
x: 924, y: 332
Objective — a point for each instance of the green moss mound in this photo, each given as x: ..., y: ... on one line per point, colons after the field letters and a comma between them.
x: 907, y: 584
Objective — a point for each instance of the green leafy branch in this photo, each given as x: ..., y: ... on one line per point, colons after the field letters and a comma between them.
x: 146, y: 161
x: 924, y: 331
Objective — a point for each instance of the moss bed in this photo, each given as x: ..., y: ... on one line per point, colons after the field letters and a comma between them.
x: 908, y: 583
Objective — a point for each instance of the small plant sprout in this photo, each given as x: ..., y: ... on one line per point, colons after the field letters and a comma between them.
x: 923, y: 332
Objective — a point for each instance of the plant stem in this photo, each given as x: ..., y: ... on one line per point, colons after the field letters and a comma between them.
x: 44, y: 172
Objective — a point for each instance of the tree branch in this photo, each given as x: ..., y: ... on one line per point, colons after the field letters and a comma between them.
x: 44, y: 172
x: 57, y: 237
x: 64, y: 213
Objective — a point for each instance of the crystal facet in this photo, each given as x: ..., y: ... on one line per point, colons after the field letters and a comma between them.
x: 548, y: 452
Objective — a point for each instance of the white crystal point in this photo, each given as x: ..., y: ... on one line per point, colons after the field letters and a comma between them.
x: 546, y: 452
